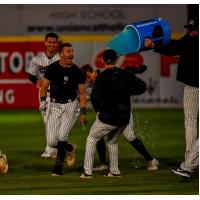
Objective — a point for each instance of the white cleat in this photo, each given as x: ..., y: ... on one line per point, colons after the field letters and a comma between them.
x: 152, y: 164
x: 48, y: 155
x: 86, y: 176
x: 110, y: 175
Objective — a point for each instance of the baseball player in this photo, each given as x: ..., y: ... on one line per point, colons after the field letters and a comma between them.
x: 110, y: 98
x: 128, y: 133
x: 188, y: 72
x: 3, y: 163
x: 36, y: 71
x: 65, y: 80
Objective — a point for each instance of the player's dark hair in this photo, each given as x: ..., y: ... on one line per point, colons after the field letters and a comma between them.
x: 109, y: 56
x: 62, y: 45
x: 52, y: 35
x: 86, y: 68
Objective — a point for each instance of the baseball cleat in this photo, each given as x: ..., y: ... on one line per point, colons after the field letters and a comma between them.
x: 181, y: 172
x: 57, y: 171
x: 3, y: 164
x: 112, y: 175
x: 100, y: 167
x: 86, y: 176
x: 152, y: 164
x: 48, y: 155
x: 70, y: 158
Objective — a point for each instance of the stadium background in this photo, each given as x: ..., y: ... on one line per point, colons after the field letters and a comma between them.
x: 88, y: 28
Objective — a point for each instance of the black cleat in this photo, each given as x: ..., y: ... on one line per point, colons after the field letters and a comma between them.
x: 57, y: 171
x: 181, y: 172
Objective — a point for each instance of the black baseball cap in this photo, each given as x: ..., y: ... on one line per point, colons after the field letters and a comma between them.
x: 109, y: 56
x: 193, y: 24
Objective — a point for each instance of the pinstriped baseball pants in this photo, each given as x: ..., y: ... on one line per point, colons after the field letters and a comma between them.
x: 192, y: 160
x: 191, y: 108
x: 61, y: 119
x: 128, y: 132
x: 97, y: 131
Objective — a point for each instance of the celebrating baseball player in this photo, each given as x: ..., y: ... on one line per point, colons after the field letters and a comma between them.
x: 187, y: 48
x: 65, y: 80
x: 36, y: 71
x: 128, y: 133
x: 110, y: 98
x: 3, y: 163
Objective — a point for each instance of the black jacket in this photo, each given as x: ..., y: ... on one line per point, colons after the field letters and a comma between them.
x: 111, y: 95
x: 188, y: 49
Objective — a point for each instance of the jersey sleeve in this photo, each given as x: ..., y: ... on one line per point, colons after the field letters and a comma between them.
x: 32, y: 68
x: 49, y: 72
x: 96, y: 94
x: 137, y: 86
x: 81, y: 77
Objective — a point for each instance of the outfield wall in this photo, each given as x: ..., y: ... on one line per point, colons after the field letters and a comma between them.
x: 89, y: 29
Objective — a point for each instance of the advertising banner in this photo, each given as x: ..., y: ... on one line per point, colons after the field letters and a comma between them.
x: 16, y: 91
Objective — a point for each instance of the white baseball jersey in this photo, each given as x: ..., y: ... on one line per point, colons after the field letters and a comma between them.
x: 39, y: 63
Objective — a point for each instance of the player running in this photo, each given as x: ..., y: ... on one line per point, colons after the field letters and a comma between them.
x: 65, y: 79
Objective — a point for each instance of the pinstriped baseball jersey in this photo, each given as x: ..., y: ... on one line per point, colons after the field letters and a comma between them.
x: 39, y: 63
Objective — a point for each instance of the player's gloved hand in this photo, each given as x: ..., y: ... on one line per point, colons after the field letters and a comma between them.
x: 43, y: 106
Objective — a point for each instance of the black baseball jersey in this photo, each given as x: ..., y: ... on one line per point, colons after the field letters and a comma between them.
x: 188, y: 49
x: 64, y: 81
x: 111, y: 95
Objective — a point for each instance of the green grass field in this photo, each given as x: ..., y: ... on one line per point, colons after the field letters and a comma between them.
x: 162, y: 131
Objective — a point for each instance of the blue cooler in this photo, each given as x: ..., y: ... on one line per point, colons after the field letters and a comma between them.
x: 133, y: 37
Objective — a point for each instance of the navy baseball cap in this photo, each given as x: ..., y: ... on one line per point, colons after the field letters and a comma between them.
x: 193, y: 24
x: 109, y: 56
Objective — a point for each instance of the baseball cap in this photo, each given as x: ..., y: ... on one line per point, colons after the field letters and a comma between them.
x: 193, y: 24
x: 109, y: 56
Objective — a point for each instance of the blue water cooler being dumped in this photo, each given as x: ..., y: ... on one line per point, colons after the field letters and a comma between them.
x: 132, y: 38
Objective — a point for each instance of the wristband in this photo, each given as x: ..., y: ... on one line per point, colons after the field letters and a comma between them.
x: 83, y: 111
x: 42, y: 99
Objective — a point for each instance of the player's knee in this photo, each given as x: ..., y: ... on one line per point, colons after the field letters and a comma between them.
x: 92, y: 139
x: 112, y: 142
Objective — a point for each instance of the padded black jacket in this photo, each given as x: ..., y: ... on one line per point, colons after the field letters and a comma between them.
x: 188, y: 49
x: 111, y: 95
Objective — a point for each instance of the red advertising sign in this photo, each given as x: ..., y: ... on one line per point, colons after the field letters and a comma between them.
x: 16, y: 91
